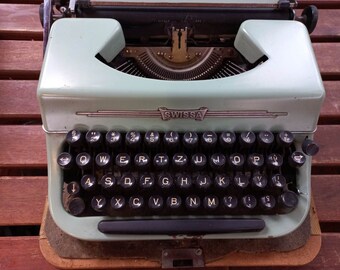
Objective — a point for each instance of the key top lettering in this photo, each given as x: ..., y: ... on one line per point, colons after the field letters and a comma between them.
x: 174, y: 201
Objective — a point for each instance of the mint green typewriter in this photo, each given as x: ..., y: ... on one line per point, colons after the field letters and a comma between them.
x: 179, y: 119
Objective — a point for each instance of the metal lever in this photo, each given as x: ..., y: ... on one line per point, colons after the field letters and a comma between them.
x: 309, y: 18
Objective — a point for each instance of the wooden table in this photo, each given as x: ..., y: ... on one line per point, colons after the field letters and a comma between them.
x: 23, y: 180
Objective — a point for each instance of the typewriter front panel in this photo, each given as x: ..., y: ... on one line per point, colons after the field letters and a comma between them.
x: 78, y: 93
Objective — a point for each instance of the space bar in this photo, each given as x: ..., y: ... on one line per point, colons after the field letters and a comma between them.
x: 180, y: 226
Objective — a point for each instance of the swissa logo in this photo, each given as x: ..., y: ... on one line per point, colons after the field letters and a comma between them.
x: 196, y: 114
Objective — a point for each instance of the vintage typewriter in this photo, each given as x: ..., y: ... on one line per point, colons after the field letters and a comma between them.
x: 176, y: 119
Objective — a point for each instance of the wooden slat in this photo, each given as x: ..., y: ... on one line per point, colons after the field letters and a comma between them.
x: 330, y: 111
x: 329, y: 155
x: 20, y: 22
x: 19, y: 100
x: 326, y: 190
x: 22, y: 200
x: 23, y: 58
x: 17, y: 253
x: 24, y: 146
x: 328, y: 257
x: 325, y: 28
x: 326, y: 54
x: 320, y: 3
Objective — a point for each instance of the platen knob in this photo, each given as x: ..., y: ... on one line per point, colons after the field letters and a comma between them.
x: 309, y: 147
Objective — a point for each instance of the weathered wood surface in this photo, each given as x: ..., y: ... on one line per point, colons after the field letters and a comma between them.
x: 22, y: 142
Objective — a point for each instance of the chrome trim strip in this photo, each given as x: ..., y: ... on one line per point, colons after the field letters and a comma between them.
x: 55, y: 131
x: 195, y: 114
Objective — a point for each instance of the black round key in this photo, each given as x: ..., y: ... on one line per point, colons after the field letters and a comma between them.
x: 274, y: 161
x: 192, y: 202
x: 296, y: 159
x: 227, y: 139
x: 155, y: 202
x: 107, y: 182
x: 93, y: 138
x: 73, y: 188
x: 103, y: 160
x: 165, y: 181
x: 179, y: 160
x: 267, y: 202
x: 278, y: 181
x: 249, y: 201
x: 259, y: 181
x: 98, y: 203
x: 183, y: 181
x: 203, y: 181
x: 65, y: 160
x: 221, y: 181
x: 255, y: 161
x: 217, y: 161
x: 123, y: 160
x: 230, y: 201
x: 76, y: 206
x: 285, y: 138
x: 136, y: 202
x: 117, y: 202
x: 152, y: 139
x: 161, y: 161
x: 113, y: 139
x: 74, y: 138
x: 288, y: 201
x: 209, y: 139
x: 265, y: 139
x: 241, y: 180
x: 83, y: 160
x: 198, y: 161
x: 247, y: 139
x: 190, y: 140
x: 309, y: 147
x: 174, y: 202
x: 133, y: 139
x: 127, y: 181
x: 210, y: 202
x: 171, y: 139
x: 88, y: 182
x: 236, y: 161
x: 146, y: 181
x: 142, y: 161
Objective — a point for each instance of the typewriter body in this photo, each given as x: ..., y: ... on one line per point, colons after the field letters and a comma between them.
x: 169, y: 120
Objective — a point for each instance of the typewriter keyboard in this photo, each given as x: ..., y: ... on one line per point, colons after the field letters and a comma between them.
x: 152, y: 174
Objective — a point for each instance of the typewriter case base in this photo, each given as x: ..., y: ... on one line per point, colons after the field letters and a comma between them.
x: 63, y: 251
